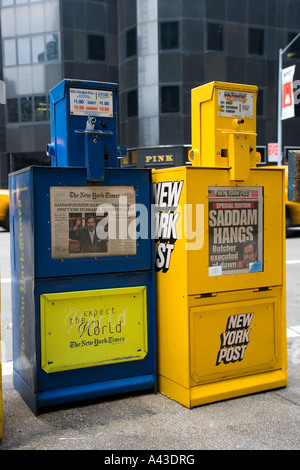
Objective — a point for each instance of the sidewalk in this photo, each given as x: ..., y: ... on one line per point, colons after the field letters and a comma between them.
x: 147, y: 421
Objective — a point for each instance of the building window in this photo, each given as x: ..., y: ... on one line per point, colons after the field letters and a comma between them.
x: 96, y: 47
x: 132, y: 103
x: 52, y: 47
x: 131, y: 43
x: 169, y: 35
x: 40, y: 111
x: 12, y: 110
x: 40, y: 108
x: 215, y: 37
x: 170, y: 99
x: 8, y: 3
x: 10, y: 52
x: 256, y: 41
x: 26, y: 108
x: 24, y: 56
x: 38, y: 49
x: 31, y: 49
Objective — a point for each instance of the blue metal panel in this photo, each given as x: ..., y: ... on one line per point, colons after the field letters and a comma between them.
x: 45, y: 266
x: 22, y: 269
x: 42, y: 400
x: 103, y: 372
x: 46, y: 389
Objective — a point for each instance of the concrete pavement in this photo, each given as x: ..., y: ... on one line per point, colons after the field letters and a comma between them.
x: 147, y: 421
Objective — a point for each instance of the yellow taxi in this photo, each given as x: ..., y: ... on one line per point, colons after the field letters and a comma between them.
x: 4, y: 209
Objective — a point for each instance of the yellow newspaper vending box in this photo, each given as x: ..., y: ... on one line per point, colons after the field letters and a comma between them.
x: 220, y: 258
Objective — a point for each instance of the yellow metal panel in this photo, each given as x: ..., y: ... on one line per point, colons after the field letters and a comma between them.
x: 271, y: 231
x: 171, y: 276
x: 238, y: 157
x: 264, y: 363
x: 231, y: 339
x: 198, y: 97
x: 219, y: 110
x: 4, y: 203
x: 223, y: 389
x: 271, y: 305
x: 237, y: 387
x: 89, y: 328
x: 175, y: 391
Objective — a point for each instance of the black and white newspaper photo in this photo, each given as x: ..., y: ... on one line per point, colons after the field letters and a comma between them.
x: 92, y: 221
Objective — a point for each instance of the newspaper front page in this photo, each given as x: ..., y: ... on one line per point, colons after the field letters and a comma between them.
x: 92, y: 221
x: 235, y: 230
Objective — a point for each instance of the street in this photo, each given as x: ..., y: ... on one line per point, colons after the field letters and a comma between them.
x: 268, y: 420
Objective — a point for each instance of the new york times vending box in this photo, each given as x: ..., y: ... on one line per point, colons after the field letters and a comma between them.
x: 82, y: 270
x: 220, y: 258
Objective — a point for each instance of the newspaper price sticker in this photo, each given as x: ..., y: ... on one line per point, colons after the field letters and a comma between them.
x: 235, y: 230
x: 91, y: 102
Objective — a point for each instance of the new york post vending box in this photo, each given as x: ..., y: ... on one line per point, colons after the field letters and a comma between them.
x: 82, y: 274
x: 220, y: 258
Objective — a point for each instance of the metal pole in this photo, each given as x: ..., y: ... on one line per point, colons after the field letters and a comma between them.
x: 279, y: 123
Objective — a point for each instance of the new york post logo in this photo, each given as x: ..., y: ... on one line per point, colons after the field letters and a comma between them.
x: 166, y: 198
x: 234, y: 341
x: 173, y: 221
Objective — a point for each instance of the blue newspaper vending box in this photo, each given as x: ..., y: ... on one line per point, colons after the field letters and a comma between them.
x: 83, y: 297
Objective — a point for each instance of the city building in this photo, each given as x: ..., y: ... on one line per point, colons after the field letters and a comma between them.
x: 44, y: 41
x: 157, y: 50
